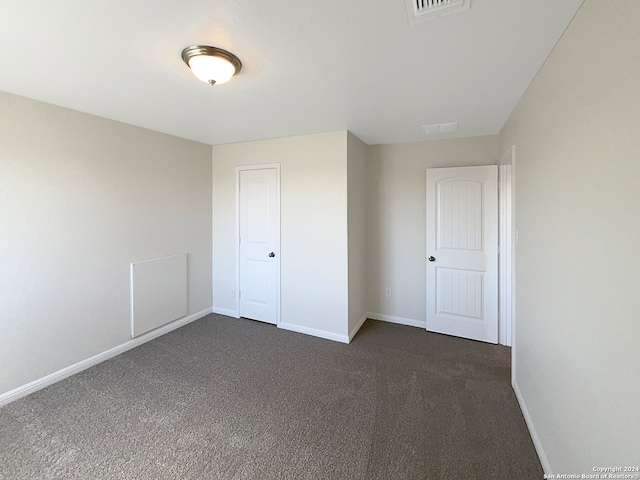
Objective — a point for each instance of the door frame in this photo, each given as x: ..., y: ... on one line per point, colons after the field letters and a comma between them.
x: 239, y: 169
x: 508, y: 235
x: 505, y: 245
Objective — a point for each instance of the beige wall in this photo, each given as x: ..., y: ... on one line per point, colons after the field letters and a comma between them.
x: 577, y: 170
x: 397, y: 220
x: 356, y: 217
x: 80, y: 198
x: 313, y: 171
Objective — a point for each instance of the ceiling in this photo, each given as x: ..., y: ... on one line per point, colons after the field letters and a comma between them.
x: 308, y: 67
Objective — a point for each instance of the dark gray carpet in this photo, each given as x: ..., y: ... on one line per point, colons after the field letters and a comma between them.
x: 237, y: 399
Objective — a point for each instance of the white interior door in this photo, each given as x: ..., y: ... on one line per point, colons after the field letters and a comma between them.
x: 259, y: 244
x: 462, y: 252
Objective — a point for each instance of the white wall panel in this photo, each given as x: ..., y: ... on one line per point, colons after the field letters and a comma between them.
x: 577, y: 211
x: 158, y: 292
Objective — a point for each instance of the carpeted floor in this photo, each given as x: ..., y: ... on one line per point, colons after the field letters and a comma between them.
x: 237, y: 399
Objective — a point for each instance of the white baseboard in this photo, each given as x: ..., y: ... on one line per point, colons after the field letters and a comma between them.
x: 399, y: 320
x: 355, y: 329
x: 314, y: 332
x: 226, y: 312
x: 54, y: 377
x: 532, y: 430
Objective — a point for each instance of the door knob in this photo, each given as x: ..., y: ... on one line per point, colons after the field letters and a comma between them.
x: 432, y: 259
x: 272, y: 254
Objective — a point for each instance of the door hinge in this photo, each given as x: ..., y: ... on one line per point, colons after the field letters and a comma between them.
x: 239, y: 293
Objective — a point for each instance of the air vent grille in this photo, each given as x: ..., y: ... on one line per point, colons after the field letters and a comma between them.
x: 423, y: 5
x: 423, y: 10
x: 437, y: 128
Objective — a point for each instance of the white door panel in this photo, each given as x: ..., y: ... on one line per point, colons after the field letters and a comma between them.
x: 462, y: 252
x: 259, y: 244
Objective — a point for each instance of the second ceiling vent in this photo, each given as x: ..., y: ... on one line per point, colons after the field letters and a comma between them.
x: 424, y: 10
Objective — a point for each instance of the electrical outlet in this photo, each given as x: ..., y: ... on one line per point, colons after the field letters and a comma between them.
x: 387, y: 292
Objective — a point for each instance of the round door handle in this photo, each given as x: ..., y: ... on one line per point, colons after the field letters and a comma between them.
x: 272, y: 254
x: 432, y: 259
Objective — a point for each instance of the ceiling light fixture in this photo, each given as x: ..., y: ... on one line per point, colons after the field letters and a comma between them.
x: 210, y: 64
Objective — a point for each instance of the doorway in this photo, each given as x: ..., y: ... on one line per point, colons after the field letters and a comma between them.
x: 258, y: 247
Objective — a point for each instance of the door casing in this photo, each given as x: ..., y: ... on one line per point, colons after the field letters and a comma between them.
x: 505, y: 169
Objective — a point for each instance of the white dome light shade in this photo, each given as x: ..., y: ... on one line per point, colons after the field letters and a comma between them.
x: 216, y: 69
x: 210, y: 64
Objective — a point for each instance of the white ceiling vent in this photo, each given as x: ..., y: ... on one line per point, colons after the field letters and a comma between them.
x: 440, y: 128
x: 424, y: 10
